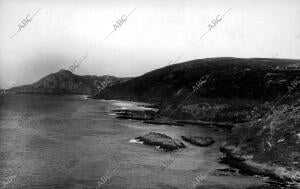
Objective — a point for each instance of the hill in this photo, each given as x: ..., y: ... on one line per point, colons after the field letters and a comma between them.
x: 214, y: 79
x: 230, y: 77
x: 65, y: 82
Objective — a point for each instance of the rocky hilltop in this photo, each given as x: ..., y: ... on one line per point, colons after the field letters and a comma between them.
x: 65, y: 82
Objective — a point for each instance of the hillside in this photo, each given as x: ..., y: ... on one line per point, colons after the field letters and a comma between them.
x: 65, y: 82
x: 231, y: 78
x: 223, y: 79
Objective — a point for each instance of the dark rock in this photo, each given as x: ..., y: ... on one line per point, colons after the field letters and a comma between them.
x: 163, y: 141
x: 163, y: 122
x: 198, y: 141
x: 135, y: 114
x: 221, y: 125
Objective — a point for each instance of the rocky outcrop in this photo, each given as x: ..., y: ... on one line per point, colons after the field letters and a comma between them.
x: 198, y: 141
x: 163, y: 141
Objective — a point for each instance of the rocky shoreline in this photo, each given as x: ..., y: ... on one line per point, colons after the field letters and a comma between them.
x: 222, y: 125
x: 233, y: 157
x: 151, y: 116
x: 245, y: 164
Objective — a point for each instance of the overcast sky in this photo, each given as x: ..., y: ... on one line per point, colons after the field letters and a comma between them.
x: 155, y: 33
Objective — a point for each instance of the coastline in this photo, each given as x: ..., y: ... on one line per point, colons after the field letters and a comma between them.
x: 248, y: 166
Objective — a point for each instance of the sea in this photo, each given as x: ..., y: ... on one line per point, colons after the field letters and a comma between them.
x: 73, y: 142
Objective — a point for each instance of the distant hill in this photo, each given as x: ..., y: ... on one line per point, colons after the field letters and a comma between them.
x: 65, y: 82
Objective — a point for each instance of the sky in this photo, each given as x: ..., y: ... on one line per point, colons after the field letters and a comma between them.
x: 154, y: 33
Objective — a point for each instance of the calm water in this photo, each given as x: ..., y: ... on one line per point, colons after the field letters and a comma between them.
x: 70, y: 142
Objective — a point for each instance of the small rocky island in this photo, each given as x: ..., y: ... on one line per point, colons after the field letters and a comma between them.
x: 163, y: 141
